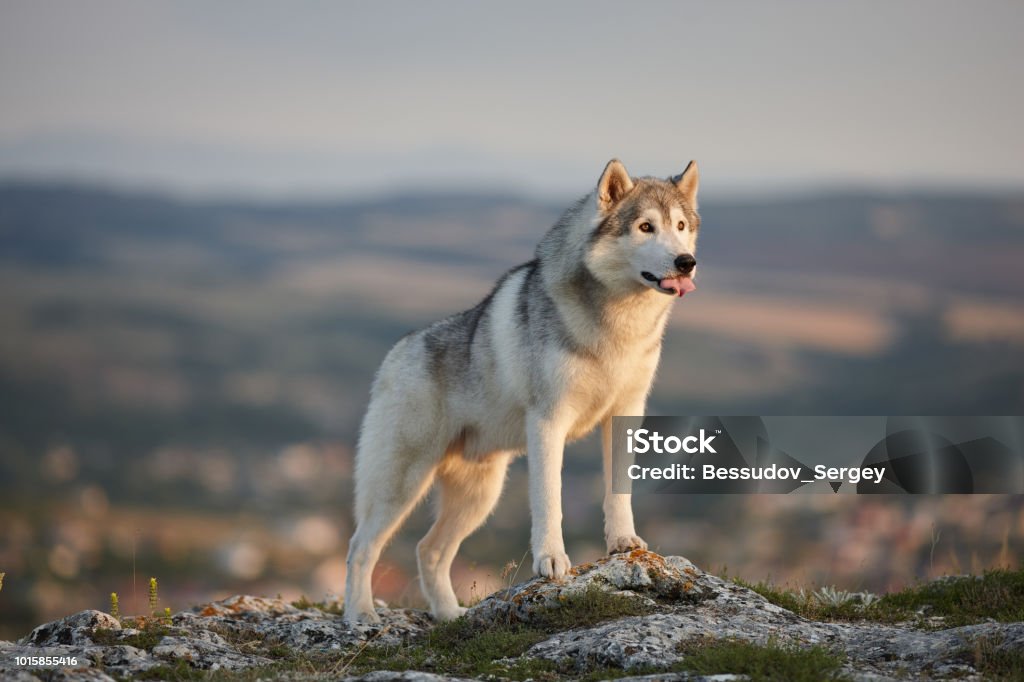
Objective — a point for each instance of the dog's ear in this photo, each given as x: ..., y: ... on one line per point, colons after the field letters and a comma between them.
x: 614, y: 184
x: 687, y: 183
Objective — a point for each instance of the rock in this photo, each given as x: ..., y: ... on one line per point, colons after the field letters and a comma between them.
x: 682, y: 605
x: 204, y: 654
x: 273, y: 620
x: 404, y: 676
x: 74, y: 629
x: 640, y: 574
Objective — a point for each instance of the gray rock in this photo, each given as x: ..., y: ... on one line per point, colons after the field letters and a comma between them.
x: 200, y: 652
x: 404, y: 676
x: 640, y: 574
x: 74, y: 629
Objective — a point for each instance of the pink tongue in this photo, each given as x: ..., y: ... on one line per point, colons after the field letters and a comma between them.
x: 681, y: 285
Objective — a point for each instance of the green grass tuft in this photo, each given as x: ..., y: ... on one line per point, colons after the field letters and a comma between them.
x: 994, y: 661
x: 587, y: 608
x: 769, y: 662
x: 997, y: 594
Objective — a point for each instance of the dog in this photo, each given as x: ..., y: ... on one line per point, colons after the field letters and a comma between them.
x: 560, y: 345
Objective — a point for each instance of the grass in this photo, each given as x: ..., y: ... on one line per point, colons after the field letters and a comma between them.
x: 996, y: 594
x: 989, y: 658
x: 809, y: 607
x: 760, y: 662
x: 462, y: 648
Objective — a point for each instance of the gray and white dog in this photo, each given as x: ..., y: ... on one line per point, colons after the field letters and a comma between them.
x: 561, y: 344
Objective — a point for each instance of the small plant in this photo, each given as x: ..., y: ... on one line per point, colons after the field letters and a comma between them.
x: 832, y: 596
x: 167, y: 615
x: 867, y: 598
x: 115, y: 610
x: 153, y: 597
x: 2, y: 580
x: 511, y: 570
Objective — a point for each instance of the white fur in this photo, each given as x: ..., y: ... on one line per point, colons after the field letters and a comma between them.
x: 418, y: 431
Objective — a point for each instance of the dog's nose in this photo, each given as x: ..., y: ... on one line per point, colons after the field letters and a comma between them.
x: 685, y: 263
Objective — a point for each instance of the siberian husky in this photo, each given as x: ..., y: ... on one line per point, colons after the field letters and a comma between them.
x: 560, y: 345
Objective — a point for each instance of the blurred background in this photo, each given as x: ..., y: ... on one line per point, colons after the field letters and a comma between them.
x: 203, y: 208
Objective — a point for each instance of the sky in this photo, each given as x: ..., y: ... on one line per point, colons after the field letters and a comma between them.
x: 343, y: 98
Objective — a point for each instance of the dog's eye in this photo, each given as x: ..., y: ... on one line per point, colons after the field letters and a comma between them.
x: 646, y: 227
x: 681, y: 226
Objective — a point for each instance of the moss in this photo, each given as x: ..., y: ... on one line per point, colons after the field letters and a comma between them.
x: 146, y: 638
x: 768, y: 662
x: 336, y: 608
x: 587, y: 608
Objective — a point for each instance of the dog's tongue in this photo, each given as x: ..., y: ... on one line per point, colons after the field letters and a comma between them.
x: 681, y: 285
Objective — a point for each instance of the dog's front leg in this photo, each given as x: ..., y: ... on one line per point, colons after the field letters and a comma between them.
x: 545, y: 444
x: 619, y: 531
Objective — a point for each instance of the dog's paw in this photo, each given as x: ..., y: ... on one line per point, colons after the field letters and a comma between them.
x: 446, y: 614
x: 551, y: 564
x: 366, y: 617
x: 625, y: 543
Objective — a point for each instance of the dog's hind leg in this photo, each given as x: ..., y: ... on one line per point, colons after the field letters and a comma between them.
x: 468, y: 492
x: 388, y: 487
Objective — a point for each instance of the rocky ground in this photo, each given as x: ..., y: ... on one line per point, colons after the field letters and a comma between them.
x: 660, y: 611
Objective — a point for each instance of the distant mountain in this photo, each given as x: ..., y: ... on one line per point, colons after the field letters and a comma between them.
x: 965, y: 242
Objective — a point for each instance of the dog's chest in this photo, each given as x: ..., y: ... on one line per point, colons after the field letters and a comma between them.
x: 595, y: 387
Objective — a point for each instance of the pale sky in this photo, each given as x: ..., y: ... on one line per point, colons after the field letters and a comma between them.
x: 294, y: 98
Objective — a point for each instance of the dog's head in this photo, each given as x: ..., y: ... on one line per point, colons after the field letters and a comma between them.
x: 646, y: 231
